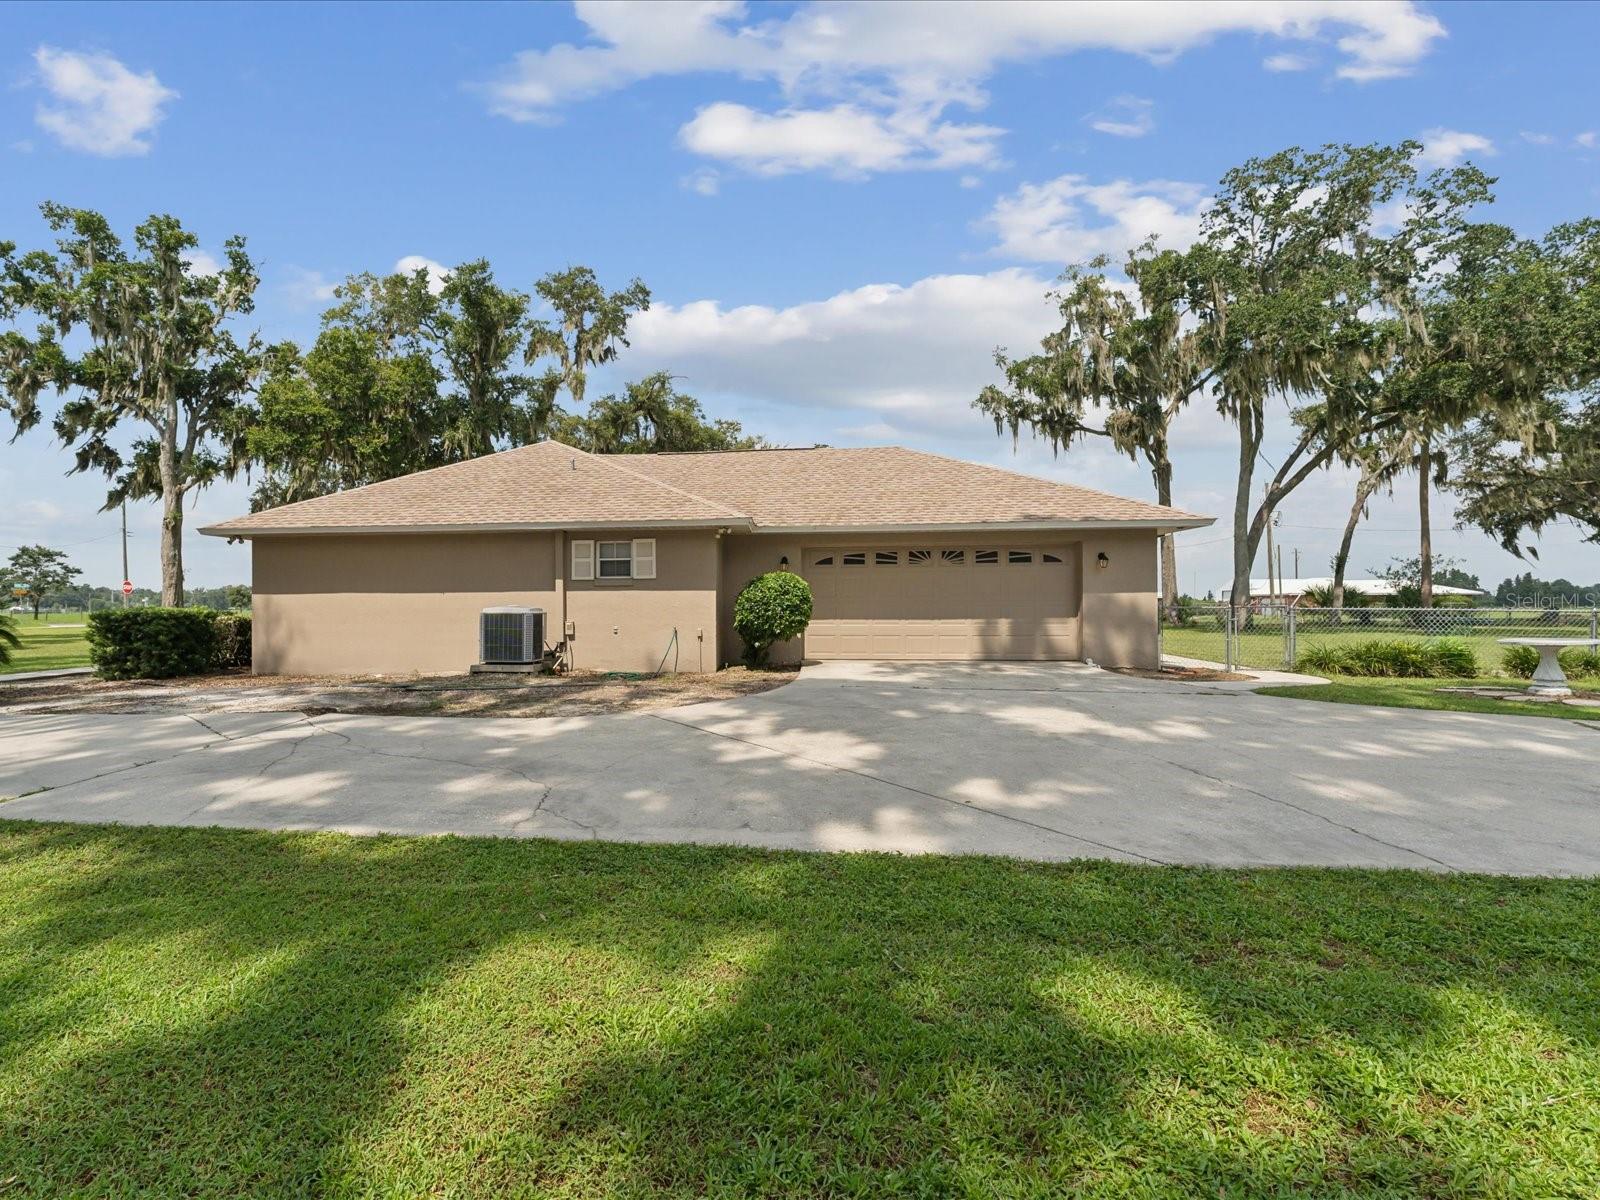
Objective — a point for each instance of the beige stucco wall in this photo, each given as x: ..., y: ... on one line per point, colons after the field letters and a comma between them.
x: 394, y: 604
x: 1117, y: 608
x: 1119, y: 601
x: 391, y: 604
x: 627, y: 625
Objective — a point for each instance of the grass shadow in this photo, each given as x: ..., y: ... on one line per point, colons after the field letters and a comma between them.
x: 210, y: 1013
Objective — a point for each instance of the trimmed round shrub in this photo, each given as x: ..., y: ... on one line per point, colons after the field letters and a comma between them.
x: 152, y: 643
x: 771, y: 608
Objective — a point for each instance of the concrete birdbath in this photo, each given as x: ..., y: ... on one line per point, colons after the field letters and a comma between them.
x: 1549, y: 679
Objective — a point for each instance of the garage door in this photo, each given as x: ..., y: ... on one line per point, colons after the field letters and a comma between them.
x: 943, y: 603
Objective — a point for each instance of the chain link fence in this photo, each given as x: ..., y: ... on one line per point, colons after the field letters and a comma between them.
x: 1277, y: 635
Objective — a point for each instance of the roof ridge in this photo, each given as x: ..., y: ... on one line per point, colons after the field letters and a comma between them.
x: 361, y: 487
x: 606, y: 460
x: 1077, y: 487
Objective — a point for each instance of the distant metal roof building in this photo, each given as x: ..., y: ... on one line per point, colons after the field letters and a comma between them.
x: 1378, y: 588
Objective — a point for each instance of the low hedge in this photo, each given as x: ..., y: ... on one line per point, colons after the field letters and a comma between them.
x: 232, y: 651
x: 158, y: 643
x: 1397, y: 658
x: 1523, y: 661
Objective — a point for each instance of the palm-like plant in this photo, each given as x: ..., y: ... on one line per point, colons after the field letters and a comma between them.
x: 10, y: 641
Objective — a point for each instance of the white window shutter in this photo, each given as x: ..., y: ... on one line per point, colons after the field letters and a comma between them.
x: 583, y: 560
x: 644, y: 558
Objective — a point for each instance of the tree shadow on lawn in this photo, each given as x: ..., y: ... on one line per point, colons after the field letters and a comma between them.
x: 204, y: 1012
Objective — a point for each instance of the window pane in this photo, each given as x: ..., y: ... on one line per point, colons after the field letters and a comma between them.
x: 1050, y: 558
x: 953, y: 556
x: 886, y: 558
x: 1020, y: 556
x: 919, y: 556
x: 614, y: 560
x: 986, y: 556
x: 825, y: 561
x: 857, y: 558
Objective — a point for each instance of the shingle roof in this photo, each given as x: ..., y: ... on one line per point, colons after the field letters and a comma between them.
x: 543, y: 485
x: 840, y: 487
x: 550, y: 485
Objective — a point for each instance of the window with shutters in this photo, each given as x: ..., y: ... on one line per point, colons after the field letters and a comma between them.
x: 613, y: 560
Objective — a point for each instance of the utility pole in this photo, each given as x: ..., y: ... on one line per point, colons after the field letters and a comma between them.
x: 124, y: 550
x: 1297, y: 562
x: 1272, y: 590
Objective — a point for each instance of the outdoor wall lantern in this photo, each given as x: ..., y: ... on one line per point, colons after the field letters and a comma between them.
x: 1102, y: 561
x: 783, y: 563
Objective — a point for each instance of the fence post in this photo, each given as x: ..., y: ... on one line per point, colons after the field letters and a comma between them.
x: 1594, y: 622
x: 1288, y: 637
x: 1227, y: 636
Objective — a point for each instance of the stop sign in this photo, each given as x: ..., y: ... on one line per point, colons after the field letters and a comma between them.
x: 127, y: 587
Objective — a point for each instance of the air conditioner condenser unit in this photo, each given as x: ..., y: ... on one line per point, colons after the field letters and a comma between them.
x: 511, y: 634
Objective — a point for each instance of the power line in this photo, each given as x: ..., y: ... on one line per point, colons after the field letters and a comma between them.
x: 71, y: 545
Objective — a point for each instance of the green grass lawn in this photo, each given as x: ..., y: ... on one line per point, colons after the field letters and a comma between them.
x: 208, y: 1013
x: 46, y: 646
x: 1427, y: 693
x: 51, y: 618
x: 1261, y: 645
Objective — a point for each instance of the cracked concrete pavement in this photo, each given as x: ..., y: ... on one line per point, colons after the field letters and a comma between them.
x: 1047, y: 761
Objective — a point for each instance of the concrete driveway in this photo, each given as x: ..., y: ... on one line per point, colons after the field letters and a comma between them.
x: 1050, y: 761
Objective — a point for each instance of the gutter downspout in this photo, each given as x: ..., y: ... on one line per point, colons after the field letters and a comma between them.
x: 563, y: 557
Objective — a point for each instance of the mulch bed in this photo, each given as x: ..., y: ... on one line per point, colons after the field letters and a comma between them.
x: 1185, y: 674
x: 577, y: 694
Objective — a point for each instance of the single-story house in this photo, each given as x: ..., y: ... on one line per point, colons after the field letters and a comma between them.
x: 636, y: 560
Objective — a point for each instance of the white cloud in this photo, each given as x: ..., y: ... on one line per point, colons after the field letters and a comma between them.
x: 202, y: 263
x: 437, y: 272
x: 704, y: 182
x: 32, y: 511
x: 846, y: 140
x: 1588, y: 139
x: 1450, y: 147
x: 1069, y: 219
x: 1287, y: 62
x: 96, y: 104
x: 895, y: 361
x: 1125, y: 116
x: 1537, y: 139
x: 305, y: 288
x: 866, y: 86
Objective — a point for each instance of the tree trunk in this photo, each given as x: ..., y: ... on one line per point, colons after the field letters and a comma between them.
x: 1244, y: 550
x: 171, y: 510
x: 1341, y: 560
x: 1425, y: 550
x: 1169, y: 542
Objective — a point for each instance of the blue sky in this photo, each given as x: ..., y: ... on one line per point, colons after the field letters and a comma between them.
x: 841, y: 211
